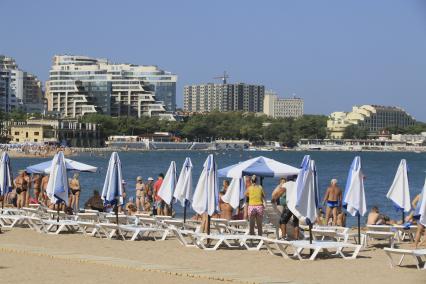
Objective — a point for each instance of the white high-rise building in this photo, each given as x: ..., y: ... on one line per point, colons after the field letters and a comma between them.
x: 23, y: 90
x: 282, y: 107
x: 79, y: 85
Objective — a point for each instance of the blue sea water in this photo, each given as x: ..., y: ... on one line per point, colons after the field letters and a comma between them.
x: 378, y: 167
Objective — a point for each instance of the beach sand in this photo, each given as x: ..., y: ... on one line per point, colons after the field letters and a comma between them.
x: 26, y: 256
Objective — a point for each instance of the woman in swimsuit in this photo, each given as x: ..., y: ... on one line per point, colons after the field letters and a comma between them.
x: 140, y: 194
x: 75, y: 191
x: 225, y: 208
x: 21, y: 185
x: 37, y: 186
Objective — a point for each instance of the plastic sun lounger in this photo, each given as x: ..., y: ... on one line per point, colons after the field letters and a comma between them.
x: 225, y: 239
x: 280, y: 246
x: 380, y: 235
x: 61, y: 226
x: 325, y: 246
x: 404, y: 232
x: 139, y: 231
x: 181, y: 236
x: 417, y: 254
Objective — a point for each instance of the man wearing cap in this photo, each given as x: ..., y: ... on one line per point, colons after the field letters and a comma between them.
x: 140, y: 194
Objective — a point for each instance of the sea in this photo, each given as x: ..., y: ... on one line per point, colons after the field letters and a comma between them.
x: 378, y: 167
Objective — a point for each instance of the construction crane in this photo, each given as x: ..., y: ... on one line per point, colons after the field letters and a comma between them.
x: 223, y: 77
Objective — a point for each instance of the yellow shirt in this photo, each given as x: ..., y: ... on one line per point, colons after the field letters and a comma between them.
x: 255, y: 194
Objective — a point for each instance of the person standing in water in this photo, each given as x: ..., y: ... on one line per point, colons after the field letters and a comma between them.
x: 333, y: 198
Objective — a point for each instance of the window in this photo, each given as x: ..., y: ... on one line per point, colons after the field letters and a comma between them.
x: 17, y: 140
x: 35, y: 140
x: 26, y: 134
x: 16, y: 132
x: 36, y: 134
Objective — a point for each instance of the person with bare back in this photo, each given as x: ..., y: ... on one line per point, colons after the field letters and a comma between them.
x: 333, y: 199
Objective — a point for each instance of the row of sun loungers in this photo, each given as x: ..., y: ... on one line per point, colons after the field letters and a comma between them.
x: 234, y: 234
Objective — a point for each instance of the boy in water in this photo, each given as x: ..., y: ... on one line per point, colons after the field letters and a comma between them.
x: 333, y: 198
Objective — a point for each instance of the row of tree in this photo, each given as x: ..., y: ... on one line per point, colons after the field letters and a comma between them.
x: 230, y: 125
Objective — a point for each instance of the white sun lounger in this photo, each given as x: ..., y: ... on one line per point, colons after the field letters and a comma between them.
x: 278, y: 247
x: 325, y: 246
x: 417, y: 254
x: 61, y: 226
x: 225, y: 239
x: 139, y: 231
x: 380, y: 235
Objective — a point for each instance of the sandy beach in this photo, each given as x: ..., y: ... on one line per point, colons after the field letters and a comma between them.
x: 29, y: 256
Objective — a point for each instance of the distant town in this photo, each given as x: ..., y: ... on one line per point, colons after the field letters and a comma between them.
x: 91, y: 103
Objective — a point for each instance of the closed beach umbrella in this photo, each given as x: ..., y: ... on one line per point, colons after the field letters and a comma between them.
x: 307, y: 197
x: 183, y: 190
x: 70, y: 165
x: 206, y: 194
x: 112, y: 192
x: 168, y: 185
x: 354, y: 195
x: 234, y: 193
x: 259, y: 166
x: 399, y: 191
x: 57, y: 187
x: 6, y: 178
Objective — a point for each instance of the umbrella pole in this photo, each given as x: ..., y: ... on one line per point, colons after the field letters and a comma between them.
x: 359, y: 228
x: 208, y: 224
x: 116, y: 220
x: 184, y: 213
x: 57, y: 217
x: 403, y: 216
x: 310, y: 236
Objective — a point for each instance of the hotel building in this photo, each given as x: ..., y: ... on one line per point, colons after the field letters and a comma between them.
x: 223, y: 97
x: 276, y: 107
x: 374, y: 118
x: 81, y: 85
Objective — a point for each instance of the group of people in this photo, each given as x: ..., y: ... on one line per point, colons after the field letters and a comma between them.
x: 28, y: 189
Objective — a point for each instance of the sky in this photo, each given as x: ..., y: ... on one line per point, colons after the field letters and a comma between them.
x: 334, y: 54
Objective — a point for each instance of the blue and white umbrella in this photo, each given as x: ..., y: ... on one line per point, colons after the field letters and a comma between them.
x: 183, y: 190
x: 302, y: 195
x: 235, y: 192
x: 168, y: 185
x: 6, y: 178
x: 57, y: 187
x: 399, y: 191
x: 112, y: 192
x: 354, y: 195
x: 260, y: 166
x: 71, y: 165
x: 206, y: 194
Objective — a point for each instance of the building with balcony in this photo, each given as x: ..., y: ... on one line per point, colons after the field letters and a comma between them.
x: 22, y: 90
x: 80, y: 85
x: 223, y: 97
x: 373, y: 118
x: 277, y: 107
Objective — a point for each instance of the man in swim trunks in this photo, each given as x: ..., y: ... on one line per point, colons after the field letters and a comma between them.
x: 159, y: 203
x: 333, y: 198
x: 22, y: 182
x: 280, y: 194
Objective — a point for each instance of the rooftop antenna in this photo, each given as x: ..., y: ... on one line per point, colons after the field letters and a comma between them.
x: 223, y: 77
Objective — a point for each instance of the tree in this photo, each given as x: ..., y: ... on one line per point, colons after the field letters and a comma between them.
x: 355, y: 132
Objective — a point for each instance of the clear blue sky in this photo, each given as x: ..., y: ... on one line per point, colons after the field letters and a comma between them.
x: 334, y: 54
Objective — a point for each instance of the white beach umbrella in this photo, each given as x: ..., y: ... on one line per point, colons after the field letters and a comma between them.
x: 183, y: 190
x: 234, y: 193
x: 6, y: 178
x: 71, y: 165
x: 354, y: 195
x: 168, y: 185
x: 306, y: 186
x: 57, y: 187
x: 399, y: 191
x: 206, y: 194
x: 112, y: 191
